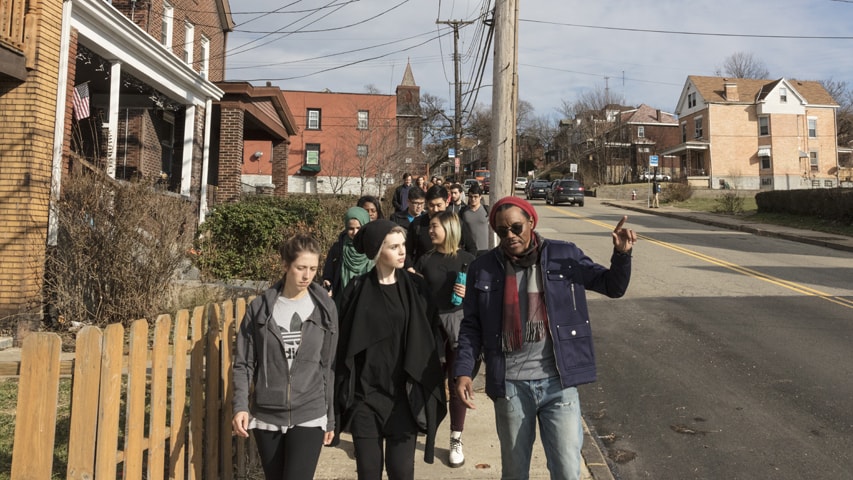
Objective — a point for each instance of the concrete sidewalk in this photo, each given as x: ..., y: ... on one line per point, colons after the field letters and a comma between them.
x: 480, y: 444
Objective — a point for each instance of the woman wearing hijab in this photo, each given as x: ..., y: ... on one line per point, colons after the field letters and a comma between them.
x: 343, y: 262
x: 285, y: 351
x: 390, y: 384
x: 440, y: 267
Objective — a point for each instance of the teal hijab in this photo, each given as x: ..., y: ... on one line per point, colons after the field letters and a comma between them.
x: 353, y: 263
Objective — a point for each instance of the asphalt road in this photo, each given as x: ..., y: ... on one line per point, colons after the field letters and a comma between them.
x: 730, y: 356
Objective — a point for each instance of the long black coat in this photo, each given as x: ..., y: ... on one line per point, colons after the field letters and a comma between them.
x: 365, y: 327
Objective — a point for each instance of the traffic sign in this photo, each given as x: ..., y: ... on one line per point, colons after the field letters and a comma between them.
x: 573, y: 167
x: 653, y: 160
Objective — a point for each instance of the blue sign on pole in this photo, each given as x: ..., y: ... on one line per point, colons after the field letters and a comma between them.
x: 451, y: 153
x: 653, y: 160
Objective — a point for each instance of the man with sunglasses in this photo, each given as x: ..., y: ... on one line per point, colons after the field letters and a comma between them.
x: 525, y: 310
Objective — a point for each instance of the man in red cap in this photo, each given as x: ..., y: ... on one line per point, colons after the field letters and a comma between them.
x: 525, y: 310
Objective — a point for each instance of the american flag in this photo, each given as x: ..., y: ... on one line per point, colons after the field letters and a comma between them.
x: 80, y: 101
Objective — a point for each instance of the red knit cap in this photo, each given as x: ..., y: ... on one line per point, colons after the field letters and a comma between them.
x: 517, y: 202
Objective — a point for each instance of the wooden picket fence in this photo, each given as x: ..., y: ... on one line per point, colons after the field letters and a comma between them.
x: 175, y: 385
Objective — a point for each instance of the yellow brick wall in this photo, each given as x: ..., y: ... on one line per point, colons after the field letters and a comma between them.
x: 26, y: 144
x: 732, y: 131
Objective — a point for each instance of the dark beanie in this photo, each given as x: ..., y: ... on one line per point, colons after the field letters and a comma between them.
x: 514, y: 201
x: 369, y: 238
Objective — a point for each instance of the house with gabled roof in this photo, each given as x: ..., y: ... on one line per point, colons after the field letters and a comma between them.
x: 756, y: 134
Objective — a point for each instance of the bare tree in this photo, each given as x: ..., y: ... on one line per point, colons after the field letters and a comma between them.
x: 743, y: 65
x: 581, y: 139
x: 843, y: 95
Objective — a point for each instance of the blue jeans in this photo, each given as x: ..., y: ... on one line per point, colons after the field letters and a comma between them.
x: 560, y: 427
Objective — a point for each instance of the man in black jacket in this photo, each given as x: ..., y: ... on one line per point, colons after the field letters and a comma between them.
x: 400, y: 200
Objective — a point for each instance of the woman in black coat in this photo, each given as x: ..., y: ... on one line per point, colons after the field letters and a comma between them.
x: 389, y: 380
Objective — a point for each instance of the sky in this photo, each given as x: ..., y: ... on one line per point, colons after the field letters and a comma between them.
x: 642, y: 50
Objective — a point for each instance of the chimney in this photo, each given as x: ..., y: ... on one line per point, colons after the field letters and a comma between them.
x: 731, y: 92
x: 659, y: 116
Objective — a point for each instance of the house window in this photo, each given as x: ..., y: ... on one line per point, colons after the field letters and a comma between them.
x: 813, y: 161
x: 189, y: 41
x: 765, y: 162
x: 313, y: 119
x: 166, y: 28
x: 312, y: 158
x: 361, y: 150
x: 641, y: 132
x: 410, y: 137
x: 783, y: 95
x: 697, y: 127
x: 691, y: 100
x: 763, y: 126
x: 362, y: 119
x: 812, y: 127
x: 205, y: 56
x: 683, y: 132
x: 828, y: 183
x: 766, y: 181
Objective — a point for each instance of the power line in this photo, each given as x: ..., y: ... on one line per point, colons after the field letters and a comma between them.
x: 332, y: 54
x: 342, y: 66
x: 704, y: 34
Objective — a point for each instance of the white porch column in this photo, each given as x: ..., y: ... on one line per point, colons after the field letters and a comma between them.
x: 59, y: 125
x: 187, y: 161
x: 112, y: 124
x: 205, y: 162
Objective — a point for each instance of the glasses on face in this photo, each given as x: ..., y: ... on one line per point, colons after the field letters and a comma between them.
x: 515, y: 228
x: 418, y: 204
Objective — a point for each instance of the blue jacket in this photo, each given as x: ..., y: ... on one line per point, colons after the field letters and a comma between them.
x: 568, y: 274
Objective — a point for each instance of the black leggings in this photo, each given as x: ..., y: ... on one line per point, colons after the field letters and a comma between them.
x: 399, y: 457
x: 292, y: 455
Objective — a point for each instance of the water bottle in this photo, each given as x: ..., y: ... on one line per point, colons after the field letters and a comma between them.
x: 461, y: 277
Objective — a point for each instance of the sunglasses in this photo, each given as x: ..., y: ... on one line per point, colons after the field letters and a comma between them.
x: 515, y: 228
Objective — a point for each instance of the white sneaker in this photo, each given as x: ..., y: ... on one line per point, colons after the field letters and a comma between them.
x: 457, y: 458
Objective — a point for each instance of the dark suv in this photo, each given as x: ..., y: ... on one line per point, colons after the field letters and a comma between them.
x: 536, y: 189
x: 565, y: 191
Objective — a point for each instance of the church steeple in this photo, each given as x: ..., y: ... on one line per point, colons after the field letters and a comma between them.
x: 408, y: 94
x: 408, y: 78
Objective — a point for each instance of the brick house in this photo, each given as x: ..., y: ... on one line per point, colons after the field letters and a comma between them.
x: 249, y: 152
x: 613, y: 144
x: 29, y: 77
x: 120, y: 86
x: 356, y: 143
x: 640, y: 133
x: 756, y: 134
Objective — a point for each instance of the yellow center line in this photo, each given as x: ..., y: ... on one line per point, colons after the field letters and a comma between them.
x: 799, y: 288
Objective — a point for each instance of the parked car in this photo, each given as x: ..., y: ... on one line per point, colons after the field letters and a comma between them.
x: 661, y: 177
x: 486, y: 184
x: 468, y: 183
x: 521, y: 183
x: 565, y: 191
x: 536, y: 188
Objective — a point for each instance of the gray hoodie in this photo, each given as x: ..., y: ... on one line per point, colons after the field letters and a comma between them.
x: 286, y: 396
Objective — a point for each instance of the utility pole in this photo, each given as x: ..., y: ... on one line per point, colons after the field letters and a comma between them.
x: 504, y: 98
x: 457, y: 100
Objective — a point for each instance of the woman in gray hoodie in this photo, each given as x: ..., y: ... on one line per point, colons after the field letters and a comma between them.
x: 285, y: 349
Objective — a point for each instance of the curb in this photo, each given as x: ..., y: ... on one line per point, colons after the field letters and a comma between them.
x: 594, y: 458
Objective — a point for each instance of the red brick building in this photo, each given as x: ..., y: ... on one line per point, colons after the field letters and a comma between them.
x: 355, y: 143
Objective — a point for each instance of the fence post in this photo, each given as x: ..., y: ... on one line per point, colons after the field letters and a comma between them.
x: 84, y: 403
x: 109, y: 403
x: 35, y: 421
x: 179, y: 422
x: 159, y: 383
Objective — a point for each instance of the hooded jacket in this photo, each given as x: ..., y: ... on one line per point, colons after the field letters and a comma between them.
x: 567, y: 274
x: 286, y: 396
x: 365, y: 330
